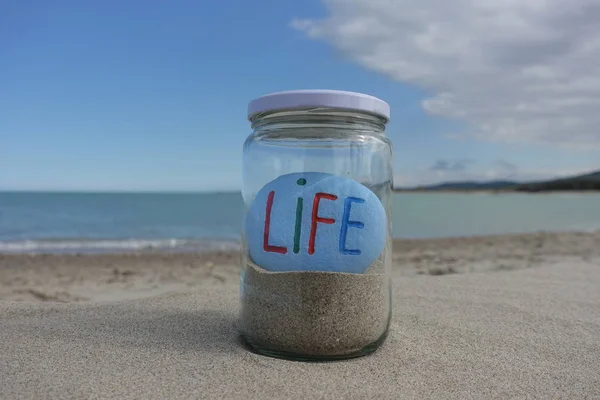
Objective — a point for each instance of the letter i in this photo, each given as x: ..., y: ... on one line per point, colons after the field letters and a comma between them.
x: 298, y: 227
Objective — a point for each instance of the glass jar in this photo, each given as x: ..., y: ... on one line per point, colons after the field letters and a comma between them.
x: 316, y: 243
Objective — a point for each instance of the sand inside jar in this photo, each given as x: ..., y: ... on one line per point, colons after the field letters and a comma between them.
x: 315, y: 314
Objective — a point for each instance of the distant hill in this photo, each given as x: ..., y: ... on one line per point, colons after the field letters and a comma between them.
x: 589, y: 181
x: 471, y: 185
x: 585, y: 182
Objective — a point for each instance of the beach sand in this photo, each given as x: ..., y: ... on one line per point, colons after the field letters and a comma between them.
x: 514, y: 316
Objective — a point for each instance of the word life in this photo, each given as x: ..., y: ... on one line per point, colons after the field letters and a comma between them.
x: 314, y: 221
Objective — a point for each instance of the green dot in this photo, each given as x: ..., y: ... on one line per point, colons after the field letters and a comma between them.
x: 301, y: 181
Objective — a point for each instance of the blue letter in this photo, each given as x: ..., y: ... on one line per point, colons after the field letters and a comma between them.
x: 346, y: 223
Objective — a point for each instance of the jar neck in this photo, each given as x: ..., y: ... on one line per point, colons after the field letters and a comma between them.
x: 318, y: 118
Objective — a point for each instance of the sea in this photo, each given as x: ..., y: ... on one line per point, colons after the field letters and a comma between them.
x: 121, y: 222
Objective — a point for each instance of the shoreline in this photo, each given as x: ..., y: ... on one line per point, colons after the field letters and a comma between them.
x: 117, y: 276
x: 211, y: 246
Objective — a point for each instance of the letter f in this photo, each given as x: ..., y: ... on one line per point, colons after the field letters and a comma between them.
x: 315, y: 218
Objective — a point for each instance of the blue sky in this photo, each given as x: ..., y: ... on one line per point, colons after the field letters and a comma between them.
x: 148, y: 95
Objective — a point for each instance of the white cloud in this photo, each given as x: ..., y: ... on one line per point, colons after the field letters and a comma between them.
x: 516, y: 70
x: 451, y: 165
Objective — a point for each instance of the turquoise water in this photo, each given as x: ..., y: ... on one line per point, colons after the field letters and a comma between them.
x: 86, y: 222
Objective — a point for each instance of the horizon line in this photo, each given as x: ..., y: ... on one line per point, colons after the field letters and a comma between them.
x: 116, y: 191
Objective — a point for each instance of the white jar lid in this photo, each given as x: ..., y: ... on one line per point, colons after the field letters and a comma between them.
x: 302, y: 99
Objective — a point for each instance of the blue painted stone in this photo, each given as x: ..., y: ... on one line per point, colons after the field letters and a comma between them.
x: 350, y: 244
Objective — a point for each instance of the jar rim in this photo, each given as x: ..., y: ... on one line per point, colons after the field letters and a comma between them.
x: 319, y: 98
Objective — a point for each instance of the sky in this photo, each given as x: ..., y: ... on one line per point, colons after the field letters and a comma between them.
x: 152, y: 95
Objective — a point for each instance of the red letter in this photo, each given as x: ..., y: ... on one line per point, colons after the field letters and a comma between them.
x: 316, y: 218
x: 266, y: 246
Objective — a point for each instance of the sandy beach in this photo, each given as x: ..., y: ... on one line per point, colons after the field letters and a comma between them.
x: 514, y: 316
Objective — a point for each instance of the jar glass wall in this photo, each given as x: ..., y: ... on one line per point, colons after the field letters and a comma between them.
x: 316, y: 245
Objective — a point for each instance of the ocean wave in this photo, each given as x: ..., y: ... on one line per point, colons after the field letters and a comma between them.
x: 115, y: 245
